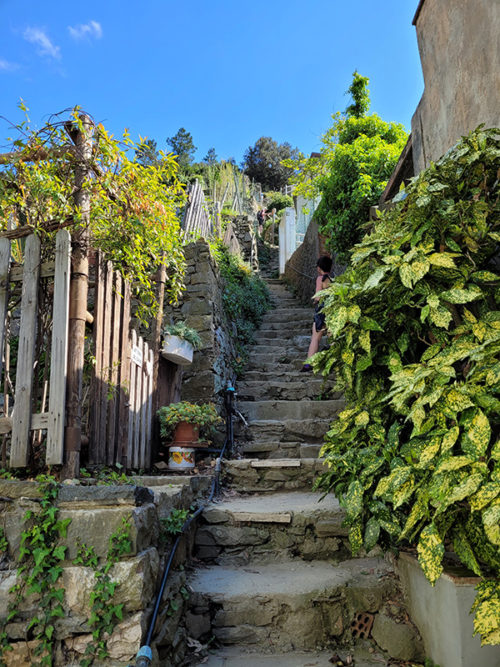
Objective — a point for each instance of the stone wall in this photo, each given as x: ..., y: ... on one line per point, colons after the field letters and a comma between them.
x: 458, y: 45
x: 202, y: 309
x: 95, y: 513
x: 244, y: 230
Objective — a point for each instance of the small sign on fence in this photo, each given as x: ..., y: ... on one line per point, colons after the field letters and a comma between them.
x: 136, y: 356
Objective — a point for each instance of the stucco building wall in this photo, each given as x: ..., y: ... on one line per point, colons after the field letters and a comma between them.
x: 459, y: 50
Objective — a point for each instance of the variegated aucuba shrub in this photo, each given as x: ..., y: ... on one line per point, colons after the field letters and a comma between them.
x: 415, y: 344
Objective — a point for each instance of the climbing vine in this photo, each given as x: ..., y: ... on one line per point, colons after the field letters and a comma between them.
x: 415, y: 343
x: 39, y: 569
x: 104, y: 612
x: 133, y: 207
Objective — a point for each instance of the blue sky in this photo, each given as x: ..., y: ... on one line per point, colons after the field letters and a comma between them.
x: 228, y: 71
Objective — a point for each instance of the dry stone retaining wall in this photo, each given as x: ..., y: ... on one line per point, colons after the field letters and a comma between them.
x: 96, y: 512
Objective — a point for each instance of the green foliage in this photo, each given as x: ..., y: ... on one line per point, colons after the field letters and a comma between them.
x: 415, y: 327
x: 182, y: 330
x: 105, y: 613
x: 263, y: 163
x: 358, y: 155
x: 277, y: 200
x: 39, y: 569
x: 133, y: 215
x: 245, y: 299
x: 174, y: 521
x: 205, y: 416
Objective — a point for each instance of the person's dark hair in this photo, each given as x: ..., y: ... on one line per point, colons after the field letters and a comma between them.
x: 325, y: 263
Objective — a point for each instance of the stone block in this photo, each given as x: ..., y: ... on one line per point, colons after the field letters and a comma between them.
x: 103, y: 496
x: 237, y: 535
x: 197, y: 625
x: 243, y: 634
x: 400, y: 640
x: 215, y: 515
x: 95, y: 526
x: 198, y: 306
x: 332, y: 526
x: 136, y: 579
x: 16, y: 488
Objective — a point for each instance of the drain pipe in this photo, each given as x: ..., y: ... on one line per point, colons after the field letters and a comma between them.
x: 144, y: 656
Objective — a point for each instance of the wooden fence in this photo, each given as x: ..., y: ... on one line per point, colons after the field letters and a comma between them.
x: 122, y: 391
x: 18, y: 418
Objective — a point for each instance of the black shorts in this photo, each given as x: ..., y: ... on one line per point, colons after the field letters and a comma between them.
x: 319, y: 318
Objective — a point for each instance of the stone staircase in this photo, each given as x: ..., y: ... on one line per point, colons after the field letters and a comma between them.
x: 275, y: 583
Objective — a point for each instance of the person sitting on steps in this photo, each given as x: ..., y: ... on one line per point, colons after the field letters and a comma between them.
x: 324, y: 266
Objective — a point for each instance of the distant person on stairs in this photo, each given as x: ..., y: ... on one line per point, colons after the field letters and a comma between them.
x: 261, y: 218
x: 324, y: 266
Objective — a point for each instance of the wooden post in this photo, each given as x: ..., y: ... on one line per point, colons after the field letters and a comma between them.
x: 78, y: 304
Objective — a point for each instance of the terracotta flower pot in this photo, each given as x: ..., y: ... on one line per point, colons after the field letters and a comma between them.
x: 186, y: 434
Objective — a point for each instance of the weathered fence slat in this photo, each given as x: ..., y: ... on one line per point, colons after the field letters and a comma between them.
x: 131, y: 407
x: 98, y: 345
x: 24, y: 372
x: 149, y: 414
x: 123, y: 414
x: 137, y: 406
x: 144, y: 404
x: 114, y: 369
x: 104, y: 378
x: 4, y: 293
x: 59, y: 354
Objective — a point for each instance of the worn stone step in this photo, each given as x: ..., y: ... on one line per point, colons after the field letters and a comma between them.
x: 286, y: 349
x: 279, y: 360
x: 288, y: 605
x: 263, y: 528
x: 294, y: 315
x: 274, y: 432
x: 291, y: 328
x: 286, y: 374
x: 275, y: 449
x: 271, y: 475
x: 290, y: 410
x: 275, y: 340
x: 295, y: 390
x: 362, y: 656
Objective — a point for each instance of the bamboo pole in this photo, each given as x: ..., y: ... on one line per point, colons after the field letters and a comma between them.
x: 78, y: 304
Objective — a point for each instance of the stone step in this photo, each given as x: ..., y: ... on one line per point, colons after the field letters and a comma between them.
x: 263, y: 528
x: 290, y: 410
x: 271, y: 475
x: 287, y: 605
x: 271, y: 434
x: 280, y: 360
x: 276, y: 449
x: 291, y: 328
x: 290, y: 316
x: 286, y: 374
x: 361, y: 656
x: 262, y: 339
x: 285, y: 389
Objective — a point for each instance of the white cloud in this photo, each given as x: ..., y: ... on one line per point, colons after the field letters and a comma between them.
x: 45, y: 47
x: 6, y: 66
x: 89, y: 30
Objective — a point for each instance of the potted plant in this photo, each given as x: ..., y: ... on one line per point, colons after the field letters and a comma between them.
x: 179, y: 342
x: 184, y: 421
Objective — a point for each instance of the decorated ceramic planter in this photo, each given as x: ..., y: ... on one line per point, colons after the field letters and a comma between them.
x: 177, y: 350
x: 181, y: 458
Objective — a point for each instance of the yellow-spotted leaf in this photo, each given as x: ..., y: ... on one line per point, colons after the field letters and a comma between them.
x: 476, y: 437
x: 456, y: 295
x: 493, y: 375
x: 453, y: 463
x: 337, y: 321
x: 433, y: 300
x: 464, y: 550
x: 356, y: 537
x: 353, y: 500
x: 458, y: 400
x: 362, y: 419
x: 441, y: 317
x: 495, y: 451
x: 479, y: 330
x: 364, y: 341
x: 449, y: 439
x: 372, y: 532
x: 353, y: 313
x: 491, y: 522
x: 406, y: 275
x: 430, y: 451
x: 468, y: 316
x: 404, y: 492
x: 466, y: 488
x: 485, y: 277
x: 484, y: 496
x: 430, y: 553
x: 419, y: 268
x: 393, y: 481
x: 418, y: 512
x: 487, y: 612
x: 442, y: 259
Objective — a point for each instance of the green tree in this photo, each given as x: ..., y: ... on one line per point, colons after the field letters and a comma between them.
x: 211, y: 157
x: 263, y: 162
x: 147, y: 153
x: 356, y: 160
x: 183, y: 146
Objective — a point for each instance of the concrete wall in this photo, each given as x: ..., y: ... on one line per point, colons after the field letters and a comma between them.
x: 459, y: 49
